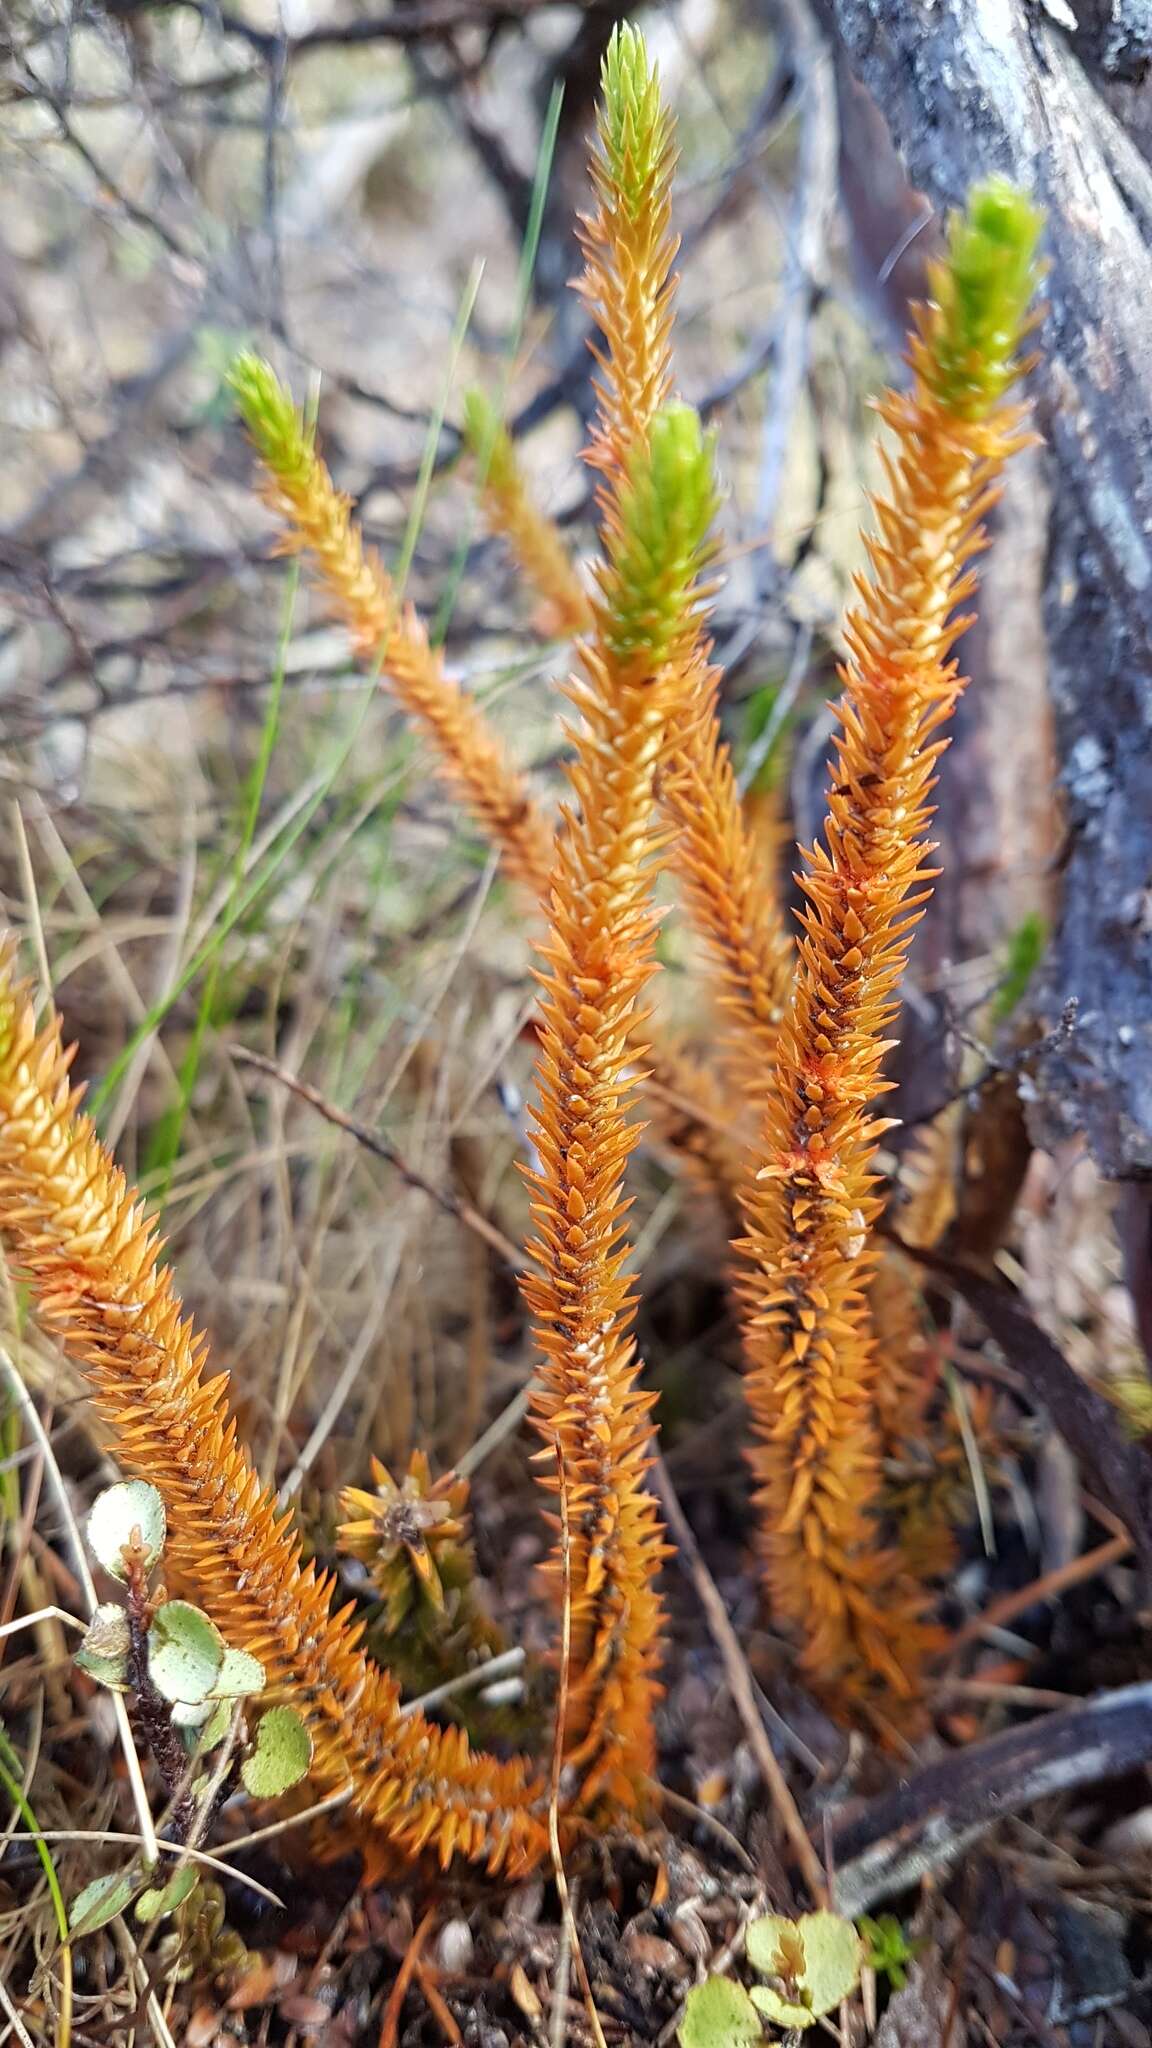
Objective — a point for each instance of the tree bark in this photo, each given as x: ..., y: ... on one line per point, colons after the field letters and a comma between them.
x: 969, y: 87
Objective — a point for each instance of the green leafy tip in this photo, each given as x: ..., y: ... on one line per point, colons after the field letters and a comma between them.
x: 481, y: 420
x: 268, y: 412
x: 1024, y: 954
x: 633, y: 126
x: 889, y: 1950
x: 983, y: 290
x: 662, y: 542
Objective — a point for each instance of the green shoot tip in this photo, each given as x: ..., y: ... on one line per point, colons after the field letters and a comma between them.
x: 268, y: 412
x: 983, y: 289
x: 667, y: 503
x: 487, y: 439
x: 633, y: 124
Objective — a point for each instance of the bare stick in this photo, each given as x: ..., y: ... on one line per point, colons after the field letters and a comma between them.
x: 468, y: 1681
x: 383, y: 1148
x: 933, y: 1814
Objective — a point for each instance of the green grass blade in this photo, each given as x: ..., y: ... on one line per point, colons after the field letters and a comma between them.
x: 10, y: 1780
x: 164, y: 1148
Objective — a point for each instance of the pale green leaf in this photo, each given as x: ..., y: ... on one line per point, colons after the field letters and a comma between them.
x: 833, y: 1958
x: 103, y: 1653
x: 185, y: 1652
x: 203, y: 1726
x: 193, y: 1716
x: 129, y: 1505
x: 100, y: 1902
x: 239, y: 1676
x: 282, y: 1755
x: 719, y: 2014
x: 160, y: 1900
x: 783, y: 2012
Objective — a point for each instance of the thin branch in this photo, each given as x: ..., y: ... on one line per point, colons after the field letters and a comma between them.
x: 406, y: 25
x: 383, y: 1148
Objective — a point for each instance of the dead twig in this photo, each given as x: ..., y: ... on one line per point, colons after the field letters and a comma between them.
x: 925, y: 1824
x: 390, y: 2025
x: 383, y: 1148
x: 1075, y: 1573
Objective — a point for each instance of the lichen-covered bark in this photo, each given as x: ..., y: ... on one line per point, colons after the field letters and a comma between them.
x: 969, y: 87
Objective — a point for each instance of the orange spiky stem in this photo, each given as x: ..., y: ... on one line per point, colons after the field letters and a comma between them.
x: 730, y: 894
x: 727, y: 885
x: 80, y: 1236
x: 318, y: 519
x: 629, y: 286
x: 597, y: 958
x: 810, y: 1348
x: 629, y: 250
x: 533, y: 539
x: 318, y: 522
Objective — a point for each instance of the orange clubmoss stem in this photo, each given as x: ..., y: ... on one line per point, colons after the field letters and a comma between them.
x: 79, y: 1235
x: 630, y: 288
x: 628, y: 284
x: 730, y: 894
x: 533, y: 539
x: 318, y: 520
x: 597, y: 958
x: 727, y: 883
x: 810, y: 1348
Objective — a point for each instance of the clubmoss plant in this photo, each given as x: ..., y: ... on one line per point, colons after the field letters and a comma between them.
x: 789, y: 1127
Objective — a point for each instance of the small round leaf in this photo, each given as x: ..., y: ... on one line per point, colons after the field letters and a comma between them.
x: 185, y: 1652
x: 185, y: 1716
x: 282, y: 1755
x: 160, y: 1900
x: 103, y: 1653
x: 239, y: 1676
x: 833, y: 1955
x: 130, y: 1504
x: 203, y: 1726
x: 100, y: 1901
x: 719, y: 2014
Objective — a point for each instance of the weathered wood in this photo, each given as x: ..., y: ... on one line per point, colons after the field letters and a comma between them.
x: 974, y: 86
x: 934, y: 1814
